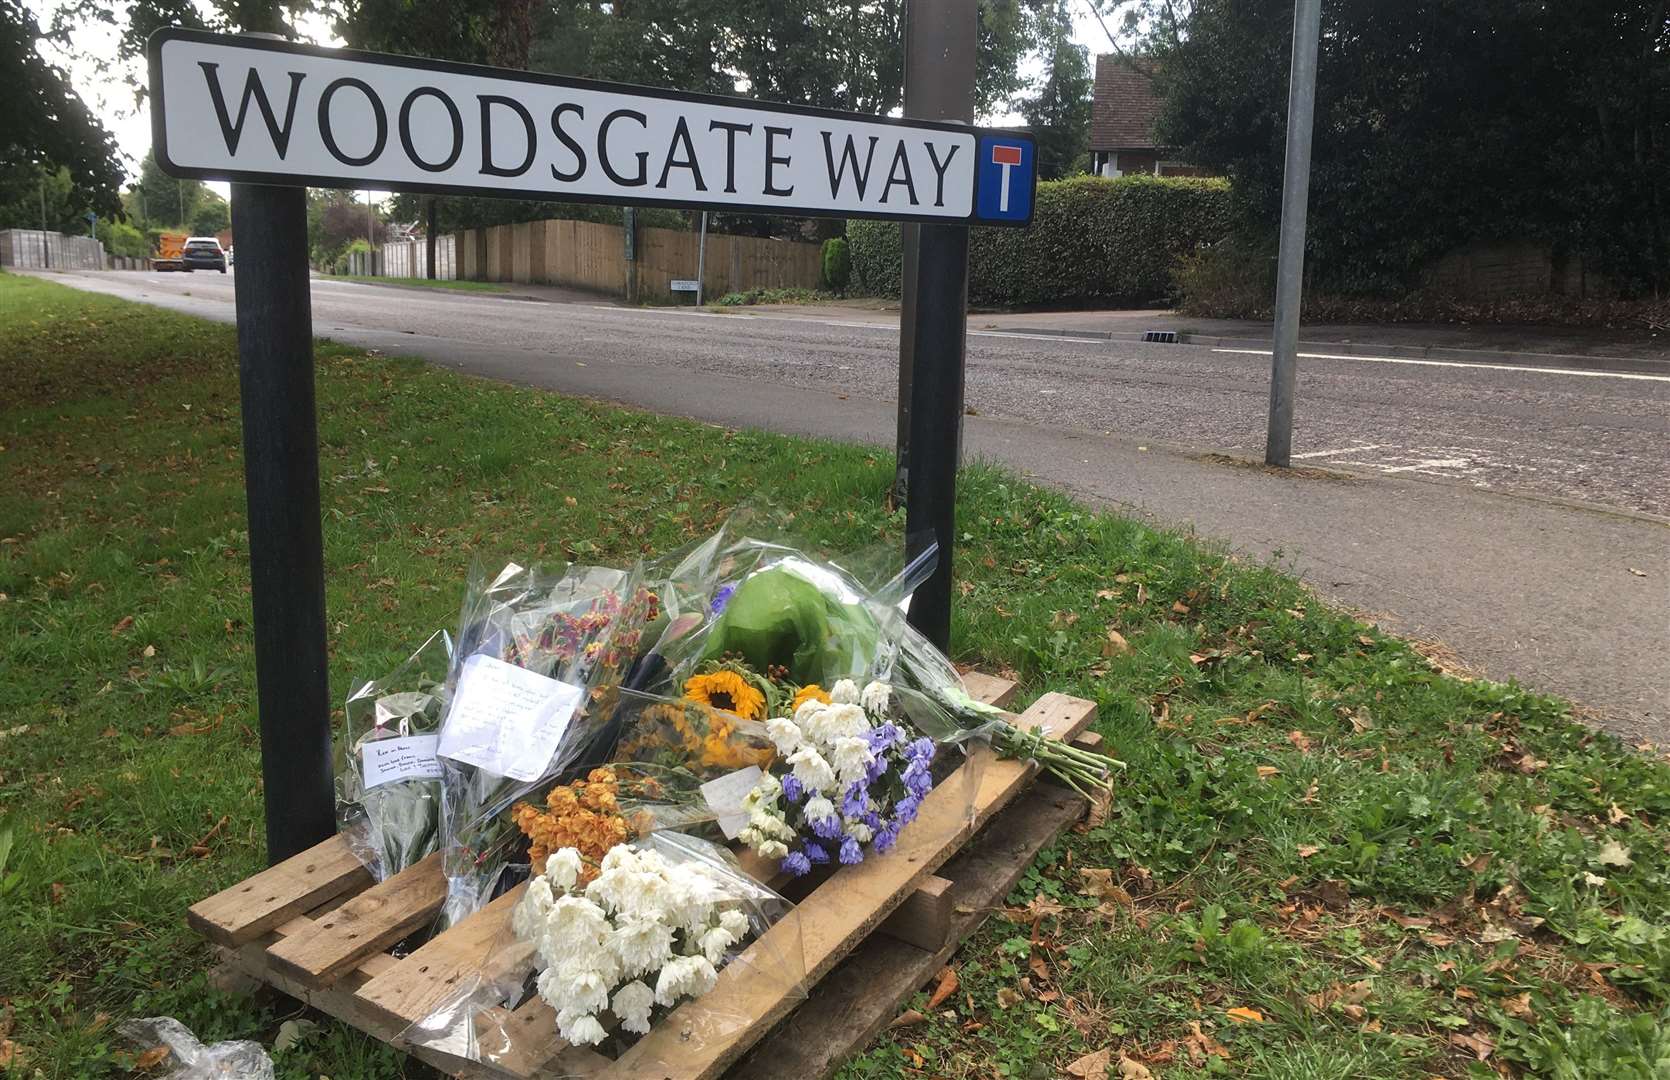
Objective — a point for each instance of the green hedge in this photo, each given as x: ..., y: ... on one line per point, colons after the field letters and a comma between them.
x: 1092, y: 241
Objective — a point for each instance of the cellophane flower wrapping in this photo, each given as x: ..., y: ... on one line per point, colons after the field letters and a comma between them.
x: 666, y: 932
x: 388, y: 786
x: 819, y: 619
x: 540, y: 651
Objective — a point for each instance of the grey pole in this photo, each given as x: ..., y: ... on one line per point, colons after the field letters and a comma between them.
x: 1290, y: 264
x: 701, y: 260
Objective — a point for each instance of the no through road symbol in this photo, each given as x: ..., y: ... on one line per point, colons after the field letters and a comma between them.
x: 274, y: 112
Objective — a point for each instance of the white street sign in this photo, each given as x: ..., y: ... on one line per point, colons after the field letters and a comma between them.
x: 264, y: 111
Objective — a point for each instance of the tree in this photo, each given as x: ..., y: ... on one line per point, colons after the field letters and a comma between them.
x: 161, y: 200
x: 843, y: 55
x: 1438, y: 123
x: 1059, y: 112
x: 48, y: 132
x: 211, y: 215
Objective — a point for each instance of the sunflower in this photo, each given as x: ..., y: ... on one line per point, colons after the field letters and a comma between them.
x: 807, y: 693
x: 728, y: 691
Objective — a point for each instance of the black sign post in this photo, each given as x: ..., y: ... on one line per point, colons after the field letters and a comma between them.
x: 940, y: 42
x: 286, y: 547
x: 272, y: 116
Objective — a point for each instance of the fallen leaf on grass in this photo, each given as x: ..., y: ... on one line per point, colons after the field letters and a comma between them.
x: 1300, y: 741
x: 122, y: 624
x: 57, y: 893
x: 1267, y: 771
x: 1201, y: 1045
x: 1307, y: 850
x: 1613, y: 853
x: 151, y: 1058
x: 1092, y: 1065
x: 1477, y: 1045
x: 1408, y: 922
x: 1519, y: 1006
x: 1098, y: 882
x: 148, y: 651
x: 907, y: 1018
x: 1039, y: 968
x: 1007, y: 997
x: 1477, y: 865
x: 1352, y: 994
x: 1107, y: 594
x: 1243, y: 1015
x: 945, y: 988
x: 1115, y: 645
x: 10, y: 1053
x: 1133, y: 1070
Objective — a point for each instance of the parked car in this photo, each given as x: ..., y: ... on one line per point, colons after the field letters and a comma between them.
x: 204, y: 253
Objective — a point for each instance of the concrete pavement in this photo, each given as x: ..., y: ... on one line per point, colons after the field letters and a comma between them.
x: 1567, y: 598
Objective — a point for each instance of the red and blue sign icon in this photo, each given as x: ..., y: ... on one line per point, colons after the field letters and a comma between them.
x: 1005, y: 175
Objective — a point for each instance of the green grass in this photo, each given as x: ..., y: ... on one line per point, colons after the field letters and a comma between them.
x: 1315, y: 823
x: 423, y: 283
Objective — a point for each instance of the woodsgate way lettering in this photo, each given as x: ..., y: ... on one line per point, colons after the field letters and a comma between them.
x: 237, y: 108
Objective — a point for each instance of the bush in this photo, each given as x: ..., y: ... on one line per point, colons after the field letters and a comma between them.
x: 790, y: 295
x: 1093, y: 241
x: 123, y: 239
x: 1231, y: 280
x: 837, y: 264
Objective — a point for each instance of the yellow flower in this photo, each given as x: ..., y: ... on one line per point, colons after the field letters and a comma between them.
x: 728, y: 691
x: 807, y: 693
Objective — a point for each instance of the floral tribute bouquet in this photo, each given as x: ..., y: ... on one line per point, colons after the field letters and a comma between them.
x: 388, y: 786
x: 637, y: 932
x: 531, y: 684
x: 611, y: 944
x: 852, y: 778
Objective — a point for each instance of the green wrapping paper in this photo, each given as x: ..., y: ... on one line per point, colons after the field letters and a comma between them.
x: 779, y: 619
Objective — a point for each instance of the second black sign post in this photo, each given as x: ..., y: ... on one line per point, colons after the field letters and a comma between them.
x: 940, y: 40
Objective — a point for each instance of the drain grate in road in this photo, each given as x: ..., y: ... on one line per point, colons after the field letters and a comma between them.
x: 1164, y: 337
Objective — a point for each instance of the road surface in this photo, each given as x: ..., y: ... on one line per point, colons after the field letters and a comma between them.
x: 1508, y: 506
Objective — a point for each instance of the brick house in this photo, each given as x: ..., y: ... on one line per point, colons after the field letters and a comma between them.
x: 1123, y: 109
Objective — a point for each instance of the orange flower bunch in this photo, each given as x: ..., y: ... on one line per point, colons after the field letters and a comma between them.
x: 584, y: 815
x: 716, y: 749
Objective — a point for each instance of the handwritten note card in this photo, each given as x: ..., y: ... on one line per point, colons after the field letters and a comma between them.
x: 507, y: 720
x: 724, y: 797
x: 411, y: 758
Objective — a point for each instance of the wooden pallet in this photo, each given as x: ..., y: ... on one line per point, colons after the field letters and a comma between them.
x: 317, y: 928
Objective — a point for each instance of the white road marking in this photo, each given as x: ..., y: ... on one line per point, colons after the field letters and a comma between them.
x: 1341, y: 450
x: 1454, y: 364
x: 1426, y: 463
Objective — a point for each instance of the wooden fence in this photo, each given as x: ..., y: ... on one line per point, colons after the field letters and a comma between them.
x: 587, y: 255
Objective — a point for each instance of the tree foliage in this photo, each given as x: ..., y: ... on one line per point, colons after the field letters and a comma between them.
x: 1440, y: 122
x: 845, y: 55
x: 1059, y: 111
x: 47, y: 131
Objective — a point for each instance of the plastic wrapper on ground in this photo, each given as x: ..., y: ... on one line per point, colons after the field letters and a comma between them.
x: 573, y: 632
x: 392, y: 824
x: 188, y: 1058
x: 503, y: 1019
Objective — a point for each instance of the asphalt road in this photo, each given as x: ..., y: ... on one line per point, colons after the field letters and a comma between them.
x: 1505, y: 505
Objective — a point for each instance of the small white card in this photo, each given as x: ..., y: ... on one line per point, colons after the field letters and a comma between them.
x: 507, y: 720
x: 410, y: 758
x: 724, y: 797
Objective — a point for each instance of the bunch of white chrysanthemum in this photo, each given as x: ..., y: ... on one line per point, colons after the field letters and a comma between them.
x: 768, y: 831
x: 645, y: 932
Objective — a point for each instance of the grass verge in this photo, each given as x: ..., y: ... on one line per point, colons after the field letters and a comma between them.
x: 422, y: 283
x: 1327, y: 859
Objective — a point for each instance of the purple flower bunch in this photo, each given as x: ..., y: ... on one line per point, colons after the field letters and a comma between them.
x: 854, y: 781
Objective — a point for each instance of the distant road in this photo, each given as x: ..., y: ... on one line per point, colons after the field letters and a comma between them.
x: 1446, y: 515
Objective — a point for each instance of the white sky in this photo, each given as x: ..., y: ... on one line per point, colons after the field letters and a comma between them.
x: 110, y: 97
